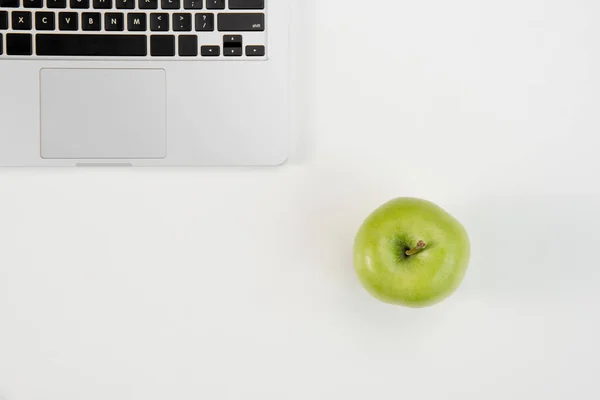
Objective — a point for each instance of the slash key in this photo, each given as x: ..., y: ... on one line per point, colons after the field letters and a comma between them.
x: 205, y: 22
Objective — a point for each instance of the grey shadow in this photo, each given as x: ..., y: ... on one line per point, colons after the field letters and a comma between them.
x: 303, y: 77
x: 537, y: 248
x: 329, y: 208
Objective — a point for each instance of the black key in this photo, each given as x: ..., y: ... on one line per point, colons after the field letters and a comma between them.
x: 91, y: 21
x: 79, y: 4
x: 255, y: 51
x: 103, y: 4
x: 91, y: 45
x: 19, y: 44
x: 45, y: 21
x: 232, y: 51
x: 3, y: 20
x: 162, y: 45
x: 56, y: 3
x: 136, y: 22
x: 246, y: 4
x: 159, y: 22
x: 188, y: 45
x: 232, y: 45
x: 182, y: 22
x: 232, y: 40
x: 237, y: 22
x: 21, y: 20
x: 205, y: 22
x: 33, y: 3
x: 114, y: 22
x: 125, y: 4
x: 192, y: 4
x: 215, y: 4
x: 170, y: 4
x: 210, y: 51
x: 148, y: 4
x: 9, y: 4
x: 68, y: 21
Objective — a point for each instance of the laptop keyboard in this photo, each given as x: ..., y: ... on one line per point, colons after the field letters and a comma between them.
x: 164, y: 29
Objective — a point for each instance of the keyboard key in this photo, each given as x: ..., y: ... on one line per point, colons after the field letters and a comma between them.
x: 192, y: 4
x: 3, y: 20
x: 210, y: 51
x: 246, y: 4
x: 136, y: 22
x: 10, y: 4
x: 170, y: 4
x: 159, y: 22
x: 182, y: 22
x: 45, y: 21
x: 188, y: 45
x: 33, y: 3
x: 125, y: 4
x: 19, y: 44
x: 103, y: 4
x: 255, y: 51
x: 162, y: 45
x: 56, y: 3
x: 91, y: 45
x: 1, y: 44
x: 114, y: 22
x: 232, y: 51
x: 205, y: 22
x: 215, y: 4
x: 232, y: 40
x: 21, y: 20
x: 237, y: 22
x: 91, y: 21
x: 148, y: 4
x: 68, y: 21
x: 80, y: 4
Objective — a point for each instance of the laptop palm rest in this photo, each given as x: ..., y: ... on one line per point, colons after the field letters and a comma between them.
x: 103, y: 113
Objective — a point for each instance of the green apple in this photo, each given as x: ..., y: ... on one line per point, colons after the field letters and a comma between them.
x: 411, y: 252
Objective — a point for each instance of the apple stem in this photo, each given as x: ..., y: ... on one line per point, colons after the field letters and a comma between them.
x: 420, y: 246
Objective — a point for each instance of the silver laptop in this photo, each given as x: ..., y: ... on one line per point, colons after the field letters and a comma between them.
x: 143, y: 82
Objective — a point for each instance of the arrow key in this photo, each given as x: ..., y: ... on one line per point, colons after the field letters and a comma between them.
x: 210, y: 51
x: 232, y: 40
x: 255, y: 51
x: 232, y: 51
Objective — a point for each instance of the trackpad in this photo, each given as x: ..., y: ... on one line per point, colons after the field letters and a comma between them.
x: 103, y: 113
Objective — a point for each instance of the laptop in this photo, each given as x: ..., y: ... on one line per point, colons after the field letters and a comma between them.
x: 144, y: 82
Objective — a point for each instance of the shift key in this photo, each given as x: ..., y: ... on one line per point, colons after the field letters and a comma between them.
x: 241, y: 22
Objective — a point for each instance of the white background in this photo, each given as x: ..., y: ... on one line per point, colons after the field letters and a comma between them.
x: 238, y: 283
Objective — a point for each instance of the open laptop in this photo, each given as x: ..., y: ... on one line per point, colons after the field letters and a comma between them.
x: 143, y: 82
